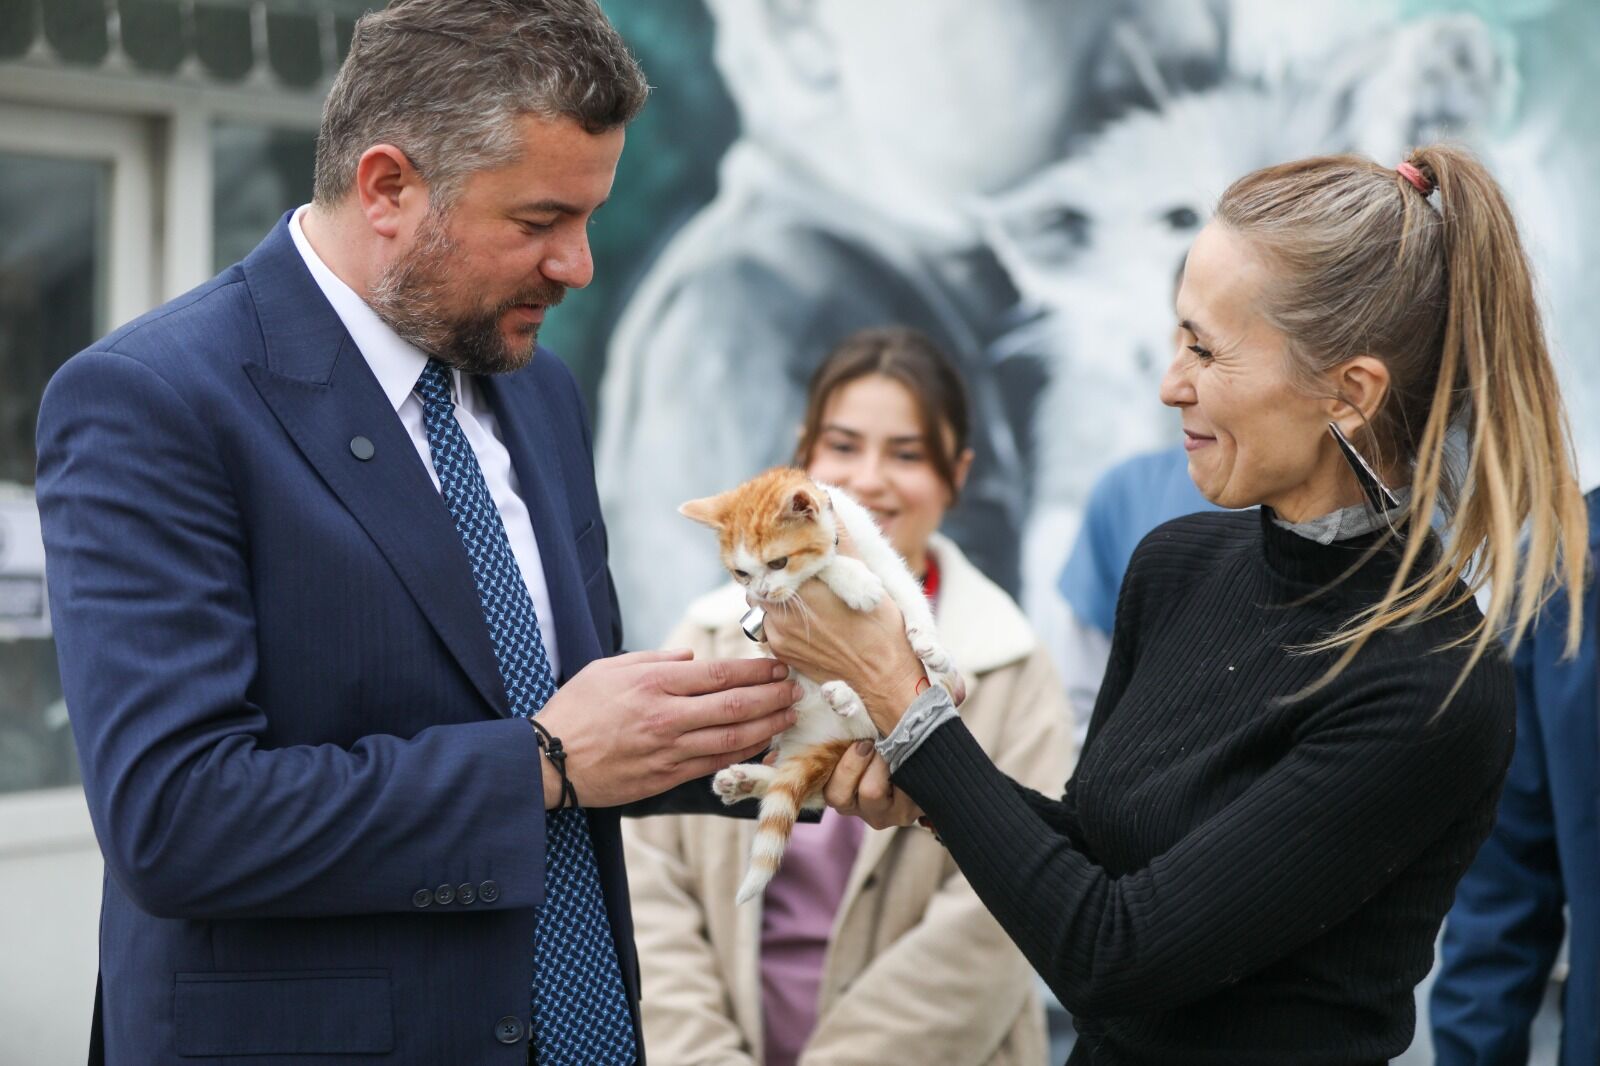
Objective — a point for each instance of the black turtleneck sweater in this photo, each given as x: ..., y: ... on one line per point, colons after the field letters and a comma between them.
x: 1230, y: 878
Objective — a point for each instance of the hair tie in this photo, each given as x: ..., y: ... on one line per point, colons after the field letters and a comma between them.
x: 1416, y: 177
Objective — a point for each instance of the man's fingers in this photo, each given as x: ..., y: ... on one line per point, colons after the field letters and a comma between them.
x: 840, y: 791
x: 652, y: 655
x: 719, y: 740
x: 706, y: 765
x: 700, y: 677
x: 724, y: 709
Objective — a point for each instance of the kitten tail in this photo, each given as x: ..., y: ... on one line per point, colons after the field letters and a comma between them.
x: 798, y: 779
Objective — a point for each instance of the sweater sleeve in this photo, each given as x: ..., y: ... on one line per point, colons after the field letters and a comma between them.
x: 1367, y: 786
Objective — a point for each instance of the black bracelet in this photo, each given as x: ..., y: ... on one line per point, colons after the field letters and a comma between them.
x: 551, y: 746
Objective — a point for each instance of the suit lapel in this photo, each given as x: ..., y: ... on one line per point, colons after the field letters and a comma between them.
x: 322, y: 392
x: 524, y: 420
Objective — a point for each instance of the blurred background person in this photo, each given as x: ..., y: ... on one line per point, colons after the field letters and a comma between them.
x: 869, y: 946
x: 1502, y: 936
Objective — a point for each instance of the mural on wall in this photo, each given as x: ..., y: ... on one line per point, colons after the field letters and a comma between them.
x: 1021, y: 180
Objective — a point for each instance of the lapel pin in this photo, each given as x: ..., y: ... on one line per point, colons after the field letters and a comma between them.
x: 362, y: 448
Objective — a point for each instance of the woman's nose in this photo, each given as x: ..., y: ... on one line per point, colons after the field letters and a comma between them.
x: 866, y: 475
x: 1177, y: 384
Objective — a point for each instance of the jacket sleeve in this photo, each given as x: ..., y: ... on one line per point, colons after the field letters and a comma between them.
x: 1502, y: 935
x: 147, y: 550
x: 969, y: 978
x: 687, y: 1007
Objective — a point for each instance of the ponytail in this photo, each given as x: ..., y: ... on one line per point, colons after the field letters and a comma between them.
x: 1445, y: 297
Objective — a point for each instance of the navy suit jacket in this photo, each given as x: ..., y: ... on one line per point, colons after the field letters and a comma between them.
x: 1503, y: 933
x: 324, y: 837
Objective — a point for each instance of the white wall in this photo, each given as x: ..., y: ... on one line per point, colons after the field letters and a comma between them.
x: 50, y: 873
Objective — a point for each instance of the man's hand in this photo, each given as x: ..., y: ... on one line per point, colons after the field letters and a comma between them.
x: 636, y: 725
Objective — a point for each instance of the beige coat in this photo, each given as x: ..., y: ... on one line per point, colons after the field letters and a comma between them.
x: 917, y: 971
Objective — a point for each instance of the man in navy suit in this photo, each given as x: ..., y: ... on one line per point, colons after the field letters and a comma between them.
x: 322, y: 540
x: 1502, y: 935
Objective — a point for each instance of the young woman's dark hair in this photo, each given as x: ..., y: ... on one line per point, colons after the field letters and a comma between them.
x: 915, y: 361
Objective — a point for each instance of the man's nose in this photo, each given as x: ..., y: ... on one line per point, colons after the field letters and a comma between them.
x: 569, y: 261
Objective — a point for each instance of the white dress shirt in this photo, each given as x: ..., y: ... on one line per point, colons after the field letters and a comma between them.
x: 397, y: 365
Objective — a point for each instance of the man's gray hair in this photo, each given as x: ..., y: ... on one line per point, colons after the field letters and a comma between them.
x: 443, y: 80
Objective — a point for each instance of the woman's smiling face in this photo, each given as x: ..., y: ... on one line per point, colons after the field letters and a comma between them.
x: 871, y: 445
x: 1253, y: 435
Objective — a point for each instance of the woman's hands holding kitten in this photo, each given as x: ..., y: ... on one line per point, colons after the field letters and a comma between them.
x: 868, y: 650
x: 825, y: 640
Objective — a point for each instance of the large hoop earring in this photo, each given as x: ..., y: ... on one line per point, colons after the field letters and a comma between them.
x: 1378, y: 494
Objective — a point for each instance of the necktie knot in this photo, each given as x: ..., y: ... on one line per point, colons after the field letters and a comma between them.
x: 433, y: 387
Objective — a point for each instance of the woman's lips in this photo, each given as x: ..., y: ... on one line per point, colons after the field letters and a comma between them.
x: 1193, y: 441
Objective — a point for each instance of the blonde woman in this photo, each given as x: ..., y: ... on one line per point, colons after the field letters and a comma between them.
x: 1306, y: 720
x: 869, y: 946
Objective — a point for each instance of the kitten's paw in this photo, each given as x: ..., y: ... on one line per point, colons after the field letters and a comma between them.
x: 927, y: 648
x: 852, y: 582
x: 843, y: 699
x: 743, y: 781
x: 937, y: 662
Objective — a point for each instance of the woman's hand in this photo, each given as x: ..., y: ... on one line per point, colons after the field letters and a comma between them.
x: 860, y: 787
x: 867, y: 650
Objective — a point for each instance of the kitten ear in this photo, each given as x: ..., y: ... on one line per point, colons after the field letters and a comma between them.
x: 708, y: 510
x: 800, y: 505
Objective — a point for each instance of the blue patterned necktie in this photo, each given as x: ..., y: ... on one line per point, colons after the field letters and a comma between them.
x: 580, y: 1009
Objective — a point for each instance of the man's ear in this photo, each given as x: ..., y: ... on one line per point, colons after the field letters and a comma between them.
x: 1360, y: 386
x: 390, y: 190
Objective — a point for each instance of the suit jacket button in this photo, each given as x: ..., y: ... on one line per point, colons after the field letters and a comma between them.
x: 444, y: 894
x: 466, y: 893
x: 488, y: 891
x: 508, y: 1030
x: 362, y: 448
x: 421, y: 897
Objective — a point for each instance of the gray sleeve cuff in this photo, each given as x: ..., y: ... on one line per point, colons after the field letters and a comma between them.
x: 927, y: 712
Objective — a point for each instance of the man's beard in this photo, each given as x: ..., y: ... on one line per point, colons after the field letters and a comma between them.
x: 413, y: 297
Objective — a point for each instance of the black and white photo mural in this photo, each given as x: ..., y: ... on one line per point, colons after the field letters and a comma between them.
x: 1021, y: 180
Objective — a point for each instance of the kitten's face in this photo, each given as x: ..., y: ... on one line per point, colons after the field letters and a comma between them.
x: 775, y: 531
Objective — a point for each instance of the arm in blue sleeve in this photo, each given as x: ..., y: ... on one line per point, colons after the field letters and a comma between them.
x: 150, y: 593
x: 1502, y: 935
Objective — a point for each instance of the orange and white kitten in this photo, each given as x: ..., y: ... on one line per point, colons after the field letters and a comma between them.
x: 776, y: 531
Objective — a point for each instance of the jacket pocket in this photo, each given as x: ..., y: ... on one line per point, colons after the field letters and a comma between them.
x: 306, y: 1012
x: 591, y: 550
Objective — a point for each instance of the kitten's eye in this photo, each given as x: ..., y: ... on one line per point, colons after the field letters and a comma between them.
x: 779, y: 563
x: 741, y: 575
